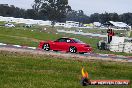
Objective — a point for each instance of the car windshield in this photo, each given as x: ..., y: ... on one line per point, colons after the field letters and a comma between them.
x: 77, y: 41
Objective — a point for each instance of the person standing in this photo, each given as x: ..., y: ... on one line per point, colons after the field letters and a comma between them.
x: 110, y: 34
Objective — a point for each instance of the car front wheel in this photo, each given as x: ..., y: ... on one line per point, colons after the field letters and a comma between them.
x: 46, y: 47
x: 73, y: 49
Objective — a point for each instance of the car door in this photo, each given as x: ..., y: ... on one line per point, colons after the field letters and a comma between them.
x: 60, y: 44
x: 66, y: 44
x: 69, y: 43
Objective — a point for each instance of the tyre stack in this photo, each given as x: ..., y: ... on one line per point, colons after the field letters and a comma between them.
x: 128, y: 47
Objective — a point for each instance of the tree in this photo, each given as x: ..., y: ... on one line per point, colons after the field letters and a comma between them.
x: 127, y: 18
x: 95, y: 17
x: 54, y: 10
x: 114, y: 16
x: 37, y: 5
x: 105, y: 17
x: 78, y: 16
x: 32, y: 14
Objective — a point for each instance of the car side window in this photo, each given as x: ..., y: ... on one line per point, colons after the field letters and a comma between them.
x: 62, y: 40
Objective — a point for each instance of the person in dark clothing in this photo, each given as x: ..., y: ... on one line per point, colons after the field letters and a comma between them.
x: 110, y: 34
x: 108, y: 31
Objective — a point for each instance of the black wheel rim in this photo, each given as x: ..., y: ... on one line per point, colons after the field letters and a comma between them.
x: 46, y: 47
x: 73, y: 50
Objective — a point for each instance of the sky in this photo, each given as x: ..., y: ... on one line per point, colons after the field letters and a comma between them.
x: 88, y: 6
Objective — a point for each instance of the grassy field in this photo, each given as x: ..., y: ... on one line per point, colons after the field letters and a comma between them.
x: 28, y: 37
x: 24, y: 36
x: 19, y: 70
x: 32, y: 36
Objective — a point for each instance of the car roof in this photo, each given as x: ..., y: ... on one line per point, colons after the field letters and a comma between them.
x: 68, y: 38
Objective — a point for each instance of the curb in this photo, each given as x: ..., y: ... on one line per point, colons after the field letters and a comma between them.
x: 18, y: 46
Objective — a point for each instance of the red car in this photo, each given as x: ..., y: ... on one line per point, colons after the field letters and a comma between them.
x: 66, y: 44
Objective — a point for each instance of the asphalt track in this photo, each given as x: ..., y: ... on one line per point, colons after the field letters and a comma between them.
x: 89, y: 56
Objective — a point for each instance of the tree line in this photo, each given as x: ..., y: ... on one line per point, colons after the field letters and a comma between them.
x: 60, y: 11
x: 102, y: 18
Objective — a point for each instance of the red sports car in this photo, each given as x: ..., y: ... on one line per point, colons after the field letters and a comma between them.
x: 66, y: 44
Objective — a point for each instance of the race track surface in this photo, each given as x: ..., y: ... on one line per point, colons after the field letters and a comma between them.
x: 87, y: 56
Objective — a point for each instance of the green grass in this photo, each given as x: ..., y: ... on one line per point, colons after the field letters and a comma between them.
x: 19, y: 70
x: 2, y: 22
x: 25, y: 36
x: 20, y: 36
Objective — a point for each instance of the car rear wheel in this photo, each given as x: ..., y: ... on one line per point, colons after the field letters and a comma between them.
x: 46, y: 47
x: 73, y: 49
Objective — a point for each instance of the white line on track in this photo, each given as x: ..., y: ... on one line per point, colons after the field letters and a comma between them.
x: 32, y: 47
x: 17, y: 45
x: 2, y: 44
